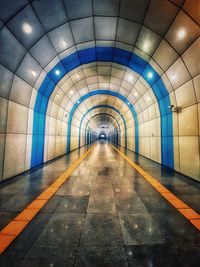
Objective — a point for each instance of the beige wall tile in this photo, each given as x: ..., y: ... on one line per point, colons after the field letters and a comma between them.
x: 14, y: 155
x: 185, y: 95
x: 188, y: 121
x: 189, y: 156
x: 17, y: 118
x: 2, y: 147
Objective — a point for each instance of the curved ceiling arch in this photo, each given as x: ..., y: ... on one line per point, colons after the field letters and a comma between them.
x: 111, y: 132
x: 116, y: 123
x: 123, y: 80
x: 118, y: 56
x: 109, y: 107
x: 103, y: 92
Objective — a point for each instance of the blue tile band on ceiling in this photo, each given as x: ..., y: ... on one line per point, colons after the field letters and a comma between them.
x: 103, y: 54
x: 102, y: 106
x: 98, y: 115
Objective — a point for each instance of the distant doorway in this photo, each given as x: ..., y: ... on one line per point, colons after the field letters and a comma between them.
x: 102, y: 137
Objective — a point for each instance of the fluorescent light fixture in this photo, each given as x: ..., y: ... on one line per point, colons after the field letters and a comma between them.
x: 57, y: 72
x: 27, y: 28
x: 150, y: 74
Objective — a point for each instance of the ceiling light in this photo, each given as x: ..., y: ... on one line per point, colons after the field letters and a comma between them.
x: 173, y: 77
x: 64, y: 44
x: 128, y: 103
x: 71, y: 92
x: 57, y: 72
x: 77, y: 76
x: 181, y: 34
x: 58, y: 95
x: 135, y: 94
x: 33, y: 73
x: 130, y: 78
x: 146, y: 46
x: 27, y: 28
x: 78, y: 102
x: 150, y: 75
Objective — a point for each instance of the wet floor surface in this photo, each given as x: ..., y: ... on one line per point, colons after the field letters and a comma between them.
x: 106, y: 214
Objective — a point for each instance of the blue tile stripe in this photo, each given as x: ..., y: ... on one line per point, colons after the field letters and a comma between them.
x: 102, y: 106
x: 103, y: 54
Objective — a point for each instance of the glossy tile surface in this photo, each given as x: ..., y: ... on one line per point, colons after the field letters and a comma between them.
x: 105, y: 214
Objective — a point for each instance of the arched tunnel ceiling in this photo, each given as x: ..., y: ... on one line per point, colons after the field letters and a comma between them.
x: 37, y: 37
x: 103, y: 123
x: 107, y: 76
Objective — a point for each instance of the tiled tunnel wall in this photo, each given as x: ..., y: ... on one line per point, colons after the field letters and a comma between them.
x: 31, y: 44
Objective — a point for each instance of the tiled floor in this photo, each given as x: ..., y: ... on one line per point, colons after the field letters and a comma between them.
x: 106, y: 214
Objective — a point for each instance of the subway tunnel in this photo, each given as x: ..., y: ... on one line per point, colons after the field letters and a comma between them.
x: 99, y: 133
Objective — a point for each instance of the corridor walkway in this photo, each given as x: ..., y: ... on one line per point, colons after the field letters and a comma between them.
x: 105, y: 214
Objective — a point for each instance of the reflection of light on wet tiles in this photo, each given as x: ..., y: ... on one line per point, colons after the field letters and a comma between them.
x: 177, y: 203
x: 16, y: 226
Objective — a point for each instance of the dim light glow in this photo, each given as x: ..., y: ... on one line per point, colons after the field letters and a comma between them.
x: 27, y: 28
x: 77, y: 76
x: 71, y: 92
x: 173, y: 77
x: 33, y: 73
x: 64, y: 44
x: 130, y: 78
x: 146, y: 46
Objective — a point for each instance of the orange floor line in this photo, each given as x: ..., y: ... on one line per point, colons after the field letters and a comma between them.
x: 183, y: 208
x: 13, y: 229
x: 196, y: 223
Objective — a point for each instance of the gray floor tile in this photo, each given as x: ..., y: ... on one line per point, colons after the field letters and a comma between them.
x: 104, y: 256
x: 101, y: 229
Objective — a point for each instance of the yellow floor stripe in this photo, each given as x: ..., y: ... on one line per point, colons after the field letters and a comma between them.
x: 18, y: 224
x: 177, y: 203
